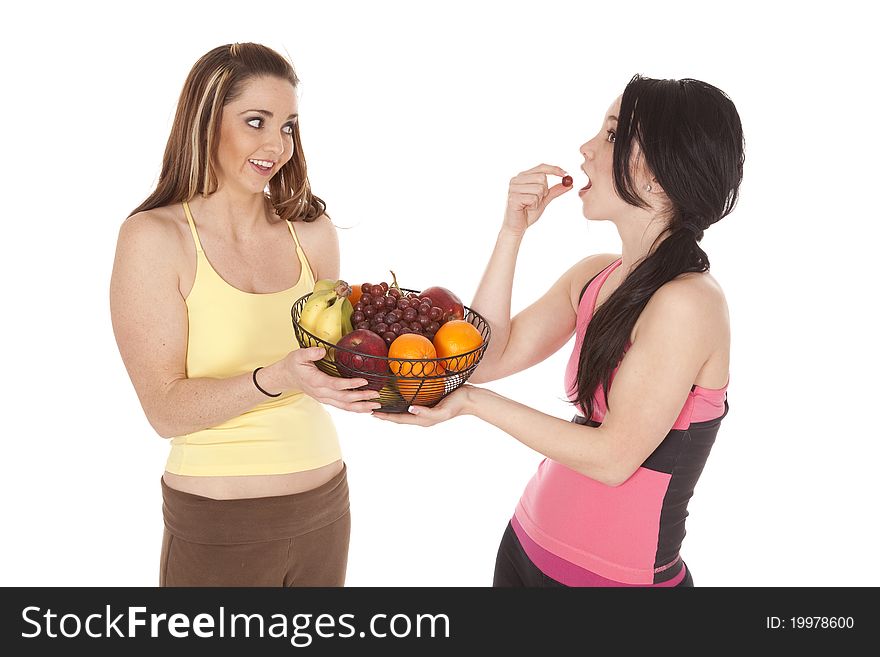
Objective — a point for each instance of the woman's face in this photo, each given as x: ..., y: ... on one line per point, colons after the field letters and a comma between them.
x: 599, y: 198
x: 256, y: 133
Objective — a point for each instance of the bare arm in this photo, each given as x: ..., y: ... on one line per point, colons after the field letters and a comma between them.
x: 673, y: 341
x: 542, y: 328
x: 150, y: 324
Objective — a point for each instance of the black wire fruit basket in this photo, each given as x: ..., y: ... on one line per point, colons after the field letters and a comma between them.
x: 400, y: 382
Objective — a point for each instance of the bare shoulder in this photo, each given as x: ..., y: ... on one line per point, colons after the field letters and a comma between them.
x: 696, y: 289
x: 159, y: 230
x: 320, y: 242
x: 155, y: 245
x: 693, y: 303
x: 320, y: 228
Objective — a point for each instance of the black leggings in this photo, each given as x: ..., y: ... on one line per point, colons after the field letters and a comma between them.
x: 513, y: 568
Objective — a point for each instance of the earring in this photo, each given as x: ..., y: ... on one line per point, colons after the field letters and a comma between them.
x: 647, y: 188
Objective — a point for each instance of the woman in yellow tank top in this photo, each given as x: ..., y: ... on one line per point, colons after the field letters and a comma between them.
x: 206, y: 271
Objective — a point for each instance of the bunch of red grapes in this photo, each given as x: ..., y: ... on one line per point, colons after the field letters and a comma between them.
x: 390, y: 312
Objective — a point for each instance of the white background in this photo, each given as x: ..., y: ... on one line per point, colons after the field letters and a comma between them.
x: 413, y: 120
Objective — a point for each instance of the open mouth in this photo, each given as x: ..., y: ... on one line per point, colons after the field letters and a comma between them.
x: 262, y: 166
x: 586, y: 187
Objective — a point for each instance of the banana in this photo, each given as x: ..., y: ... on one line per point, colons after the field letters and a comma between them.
x: 325, y: 284
x: 329, y: 324
x: 318, y: 302
x: 347, y: 310
x: 327, y: 313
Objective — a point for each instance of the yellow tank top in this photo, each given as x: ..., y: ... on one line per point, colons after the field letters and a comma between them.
x: 231, y: 332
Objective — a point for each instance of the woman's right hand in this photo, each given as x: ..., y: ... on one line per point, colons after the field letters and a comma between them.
x: 528, y: 196
x: 299, y: 372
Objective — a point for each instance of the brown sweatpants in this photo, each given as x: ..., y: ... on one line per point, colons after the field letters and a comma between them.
x: 288, y: 540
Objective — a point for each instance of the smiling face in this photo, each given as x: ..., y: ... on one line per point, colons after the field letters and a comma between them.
x: 256, y: 133
x: 599, y: 196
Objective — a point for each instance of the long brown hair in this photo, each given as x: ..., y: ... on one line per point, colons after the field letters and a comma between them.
x: 189, y: 163
x: 690, y: 135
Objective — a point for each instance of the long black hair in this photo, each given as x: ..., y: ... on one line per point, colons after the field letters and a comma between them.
x: 690, y: 136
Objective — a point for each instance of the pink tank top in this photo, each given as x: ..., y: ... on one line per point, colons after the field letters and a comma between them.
x: 583, y: 533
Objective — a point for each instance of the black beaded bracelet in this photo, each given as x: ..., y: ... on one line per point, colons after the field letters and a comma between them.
x: 268, y: 394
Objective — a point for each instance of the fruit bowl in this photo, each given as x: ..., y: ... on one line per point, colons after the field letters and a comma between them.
x: 429, y: 379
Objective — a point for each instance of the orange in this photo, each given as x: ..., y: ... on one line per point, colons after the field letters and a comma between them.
x: 355, y: 295
x: 454, y: 338
x: 412, y: 346
x: 411, y: 381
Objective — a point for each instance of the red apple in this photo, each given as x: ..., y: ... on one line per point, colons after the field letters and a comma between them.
x: 446, y: 300
x: 368, y: 360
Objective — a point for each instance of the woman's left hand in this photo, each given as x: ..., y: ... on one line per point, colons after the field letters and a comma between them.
x: 454, y: 404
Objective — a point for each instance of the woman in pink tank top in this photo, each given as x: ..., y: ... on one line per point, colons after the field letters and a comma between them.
x: 649, y: 370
